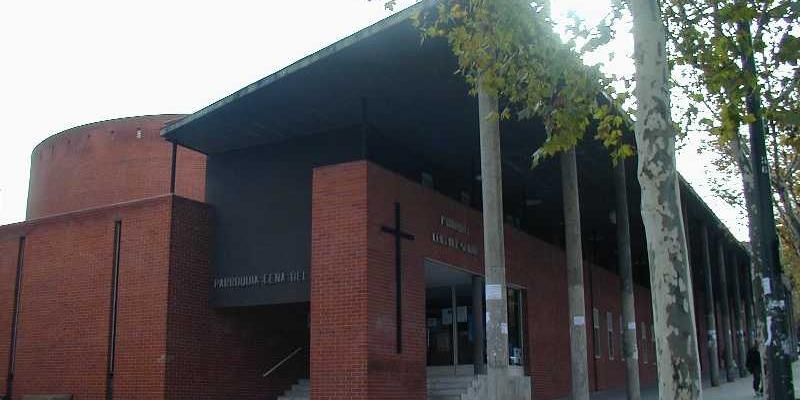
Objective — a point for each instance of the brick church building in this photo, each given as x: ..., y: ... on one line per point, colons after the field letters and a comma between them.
x: 317, y: 234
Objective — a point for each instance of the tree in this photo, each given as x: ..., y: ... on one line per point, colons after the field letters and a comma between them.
x: 716, y: 45
x: 670, y: 278
x: 507, y: 48
x: 504, y: 48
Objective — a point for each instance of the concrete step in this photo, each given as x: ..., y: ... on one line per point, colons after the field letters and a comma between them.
x: 437, y: 397
x: 299, y: 391
x: 300, y: 388
x: 447, y: 392
x: 449, y: 387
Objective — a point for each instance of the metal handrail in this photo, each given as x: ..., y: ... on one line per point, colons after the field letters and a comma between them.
x: 281, y: 362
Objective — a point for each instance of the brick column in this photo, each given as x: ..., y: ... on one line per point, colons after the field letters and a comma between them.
x: 339, y: 282
x: 354, y: 352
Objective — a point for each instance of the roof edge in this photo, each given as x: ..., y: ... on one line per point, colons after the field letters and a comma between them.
x: 169, y: 119
x: 329, y: 50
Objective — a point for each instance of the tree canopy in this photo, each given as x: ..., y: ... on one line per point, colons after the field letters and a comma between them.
x: 710, y: 41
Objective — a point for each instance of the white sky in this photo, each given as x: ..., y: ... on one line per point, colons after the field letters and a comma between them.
x: 67, y: 63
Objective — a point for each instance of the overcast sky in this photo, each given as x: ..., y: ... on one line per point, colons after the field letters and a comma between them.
x: 67, y: 63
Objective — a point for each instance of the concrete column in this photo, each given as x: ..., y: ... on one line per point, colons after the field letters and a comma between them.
x: 711, y: 319
x: 575, y: 288
x: 724, y: 310
x: 493, y: 245
x: 626, y: 283
x: 738, y: 313
x: 477, y: 316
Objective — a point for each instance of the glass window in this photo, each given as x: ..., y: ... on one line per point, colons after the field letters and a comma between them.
x: 515, y: 327
x: 610, y: 325
x: 596, y: 333
x: 621, y: 338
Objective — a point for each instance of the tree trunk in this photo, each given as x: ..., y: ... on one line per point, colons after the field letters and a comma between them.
x: 759, y: 328
x: 575, y: 288
x: 670, y: 278
x: 626, y: 283
x: 778, y: 346
x: 493, y: 244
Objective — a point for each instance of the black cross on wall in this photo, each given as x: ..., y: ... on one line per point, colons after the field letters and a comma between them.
x: 399, y: 235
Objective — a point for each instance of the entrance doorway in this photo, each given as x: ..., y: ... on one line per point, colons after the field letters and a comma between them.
x: 454, y: 341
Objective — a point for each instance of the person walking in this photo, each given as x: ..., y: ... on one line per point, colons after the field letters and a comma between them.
x: 754, y: 366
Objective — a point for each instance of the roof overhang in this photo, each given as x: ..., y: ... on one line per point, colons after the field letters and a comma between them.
x: 385, y: 76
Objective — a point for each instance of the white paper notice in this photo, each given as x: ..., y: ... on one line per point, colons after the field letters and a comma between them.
x: 504, y: 328
x: 579, y: 320
x: 447, y: 316
x: 766, y: 285
x: 461, y: 314
x: 631, y: 326
x: 494, y: 292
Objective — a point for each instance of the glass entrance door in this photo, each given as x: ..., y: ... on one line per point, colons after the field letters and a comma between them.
x: 450, y: 326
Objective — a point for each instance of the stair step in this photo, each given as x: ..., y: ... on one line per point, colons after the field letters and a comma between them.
x: 449, y: 387
x: 467, y: 378
x: 448, y: 392
x: 299, y: 391
x: 450, y: 384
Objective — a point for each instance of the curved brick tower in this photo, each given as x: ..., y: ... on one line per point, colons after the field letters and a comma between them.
x: 110, y: 162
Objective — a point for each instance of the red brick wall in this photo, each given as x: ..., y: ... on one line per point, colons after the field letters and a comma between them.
x: 339, y: 283
x: 169, y: 344
x: 603, y: 287
x: 105, y: 163
x: 65, y: 300
x: 393, y: 375
x: 644, y: 313
x: 342, y: 276
x: 9, y: 245
x: 219, y: 354
x: 144, y: 261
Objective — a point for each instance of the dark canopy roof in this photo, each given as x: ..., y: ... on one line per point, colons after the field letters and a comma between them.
x: 384, y: 76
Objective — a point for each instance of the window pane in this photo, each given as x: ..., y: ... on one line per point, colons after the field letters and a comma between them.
x: 515, y: 326
x: 621, y: 338
x: 596, y: 333
x: 610, y: 325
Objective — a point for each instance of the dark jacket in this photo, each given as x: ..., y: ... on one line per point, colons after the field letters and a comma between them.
x: 754, y: 361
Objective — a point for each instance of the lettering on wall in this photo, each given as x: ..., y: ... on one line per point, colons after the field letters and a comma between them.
x: 446, y: 239
x: 268, y: 279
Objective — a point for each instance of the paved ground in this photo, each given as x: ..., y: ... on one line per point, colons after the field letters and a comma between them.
x: 739, y: 389
x: 736, y: 390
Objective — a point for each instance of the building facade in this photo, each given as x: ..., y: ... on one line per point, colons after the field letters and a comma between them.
x: 319, y: 233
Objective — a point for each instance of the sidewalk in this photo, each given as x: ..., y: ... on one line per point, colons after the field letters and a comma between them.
x: 736, y: 390
x: 739, y: 389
